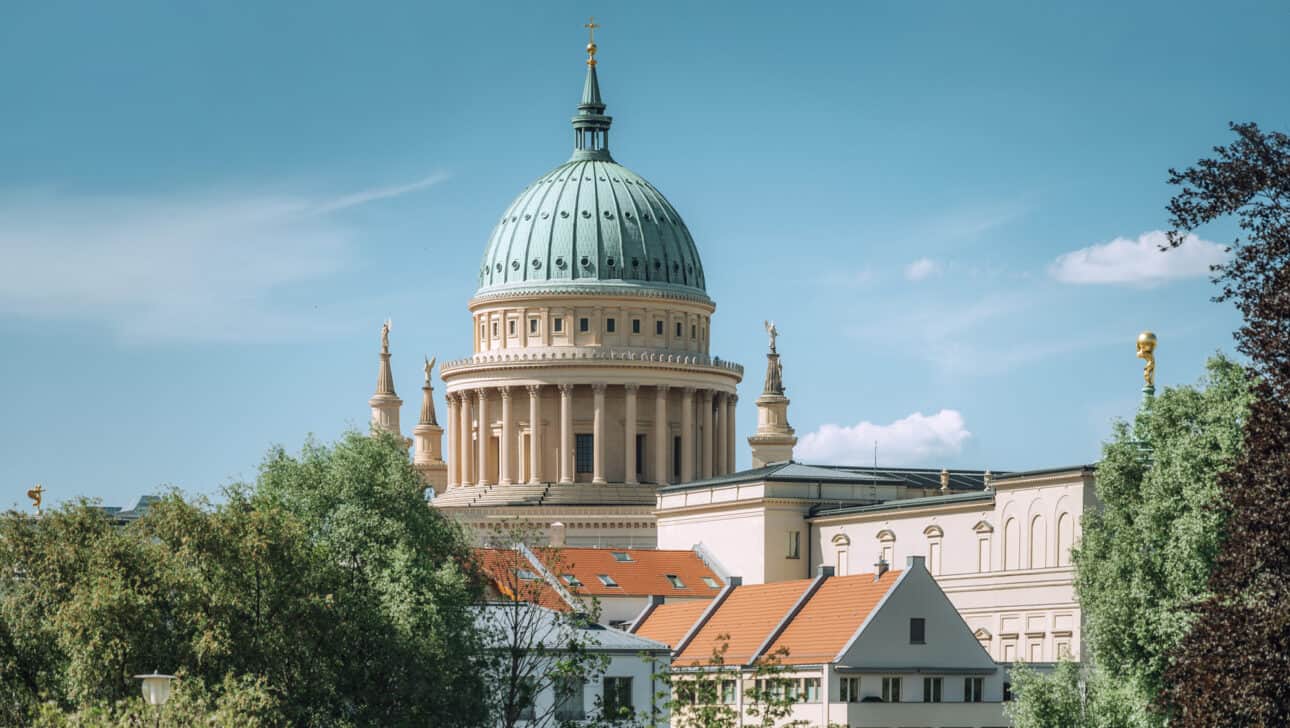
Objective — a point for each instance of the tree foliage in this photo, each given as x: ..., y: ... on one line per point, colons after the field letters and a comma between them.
x: 695, y: 695
x: 1232, y: 666
x: 1145, y: 555
x: 327, y: 593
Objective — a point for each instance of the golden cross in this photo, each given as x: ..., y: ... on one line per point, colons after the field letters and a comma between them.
x: 591, y: 29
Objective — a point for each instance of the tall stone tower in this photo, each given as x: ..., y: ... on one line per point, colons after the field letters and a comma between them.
x: 428, y: 436
x: 385, y: 403
x: 774, y: 440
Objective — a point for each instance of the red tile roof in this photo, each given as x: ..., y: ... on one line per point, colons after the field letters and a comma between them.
x: 748, y: 616
x: 645, y: 573
x: 669, y: 622
x: 503, y: 567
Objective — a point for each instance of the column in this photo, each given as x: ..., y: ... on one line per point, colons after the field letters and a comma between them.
x: 466, y: 456
x: 731, y: 399
x: 505, y: 462
x: 485, y: 437
x: 535, y: 433
x: 662, y: 443
x: 566, y: 433
x: 629, y: 433
x: 454, y: 432
x: 706, y: 442
x: 719, y: 435
x: 598, y: 436
x: 687, y: 434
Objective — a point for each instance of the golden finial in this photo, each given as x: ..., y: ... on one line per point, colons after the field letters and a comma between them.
x: 1147, y: 352
x: 35, y: 495
x: 591, y: 26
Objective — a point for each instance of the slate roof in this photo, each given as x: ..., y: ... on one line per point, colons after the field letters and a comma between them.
x: 794, y: 472
x: 550, y: 630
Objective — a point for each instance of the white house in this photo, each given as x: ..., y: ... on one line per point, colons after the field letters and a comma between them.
x: 862, y: 650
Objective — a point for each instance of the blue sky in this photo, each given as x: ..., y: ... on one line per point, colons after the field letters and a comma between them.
x: 207, y: 209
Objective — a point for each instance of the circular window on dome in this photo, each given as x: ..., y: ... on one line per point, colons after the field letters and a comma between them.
x: 515, y: 265
x: 564, y: 213
x: 559, y: 263
x: 602, y: 179
x: 498, y: 267
x: 676, y: 267
x: 586, y: 262
x: 536, y: 263
x: 657, y: 264
x: 609, y: 215
x: 609, y: 261
x: 527, y: 216
x: 627, y: 214
x: 689, y: 269
x: 616, y: 179
x: 636, y: 262
x: 586, y: 214
x: 513, y: 218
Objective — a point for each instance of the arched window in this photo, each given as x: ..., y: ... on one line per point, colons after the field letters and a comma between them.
x: 1038, y: 543
x: 1065, y: 535
x: 842, y: 558
x: 887, y: 546
x: 934, y: 536
x: 1011, y: 545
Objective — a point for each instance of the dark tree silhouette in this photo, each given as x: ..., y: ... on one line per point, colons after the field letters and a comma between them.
x: 1233, y: 667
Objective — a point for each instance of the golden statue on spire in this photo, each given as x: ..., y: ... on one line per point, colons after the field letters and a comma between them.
x: 1147, y: 352
x: 37, y: 497
x: 591, y: 26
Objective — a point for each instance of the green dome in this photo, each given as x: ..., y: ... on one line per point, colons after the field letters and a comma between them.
x: 591, y: 225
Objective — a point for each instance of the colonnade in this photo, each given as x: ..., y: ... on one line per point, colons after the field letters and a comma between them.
x: 706, y: 432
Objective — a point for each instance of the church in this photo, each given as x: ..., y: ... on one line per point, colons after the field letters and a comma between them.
x: 592, y: 409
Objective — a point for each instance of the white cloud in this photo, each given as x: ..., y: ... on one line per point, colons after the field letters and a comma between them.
x: 1139, y: 262
x: 912, y: 440
x: 921, y: 268
x: 208, y: 268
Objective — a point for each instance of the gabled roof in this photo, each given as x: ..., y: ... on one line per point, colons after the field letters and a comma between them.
x: 637, y: 572
x: 758, y: 620
x: 670, y: 621
x: 503, y: 567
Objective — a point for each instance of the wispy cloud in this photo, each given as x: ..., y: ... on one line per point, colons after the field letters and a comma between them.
x: 1137, y: 262
x: 921, y: 269
x: 210, y: 267
x: 913, y: 439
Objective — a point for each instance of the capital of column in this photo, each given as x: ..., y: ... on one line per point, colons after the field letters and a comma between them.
x: 633, y: 387
x: 481, y: 393
x: 689, y: 391
x: 732, y: 398
x: 534, y: 389
x: 505, y: 391
x: 661, y: 390
x: 598, y: 387
x: 566, y: 389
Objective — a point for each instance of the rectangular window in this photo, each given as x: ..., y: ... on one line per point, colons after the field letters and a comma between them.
x: 494, y: 329
x: 810, y: 692
x: 584, y: 452
x: 675, y: 581
x: 510, y: 327
x: 849, y: 689
x: 712, y: 583
x: 557, y: 325
x: 533, y: 326
x: 607, y: 580
x: 571, y: 580
x: 794, y: 545
x: 931, y: 690
x: 621, y: 556
x: 636, y: 326
x: 678, y: 329
x: 891, y: 690
x: 694, y: 331
x: 569, y: 699
x: 917, y: 631
x: 972, y: 688
x: 617, y: 698
x: 525, y: 692
x: 983, y: 554
x: 584, y: 324
x: 611, y: 325
x: 1063, y: 650
x: 640, y: 455
x: 483, y: 331
x: 658, y: 327
x: 728, y: 692
x: 676, y: 459
x: 1007, y: 692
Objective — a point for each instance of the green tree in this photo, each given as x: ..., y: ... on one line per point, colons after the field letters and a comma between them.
x: 325, y: 594
x: 701, y: 694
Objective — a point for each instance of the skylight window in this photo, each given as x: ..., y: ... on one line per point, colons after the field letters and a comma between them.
x: 526, y: 575
x: 676, y: 581
x: 607, y: 580
x: 571, y: 580
x: 712, y: 583
x: 622, y: 556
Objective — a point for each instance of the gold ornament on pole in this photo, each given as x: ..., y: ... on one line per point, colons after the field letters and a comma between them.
x: 1147, y: 352
x: 591, y: 26
x: 37, y: 497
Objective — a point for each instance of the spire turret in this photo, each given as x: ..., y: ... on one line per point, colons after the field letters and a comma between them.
x: 385, y: 403
x: 591, y: 126
x: 428, y: 435
x: 774, y: 440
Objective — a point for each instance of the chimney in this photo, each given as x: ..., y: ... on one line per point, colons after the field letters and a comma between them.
x: 825, y: 571
x: 880, y: 568
x: 557, y: 534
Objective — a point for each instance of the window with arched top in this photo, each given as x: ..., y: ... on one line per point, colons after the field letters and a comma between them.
x: 887, y: 546
x: 1038, y: 543
x: 842, y: 554
x: 934, y: 536
x: 1065, y: 539
x: 1011, y: 545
